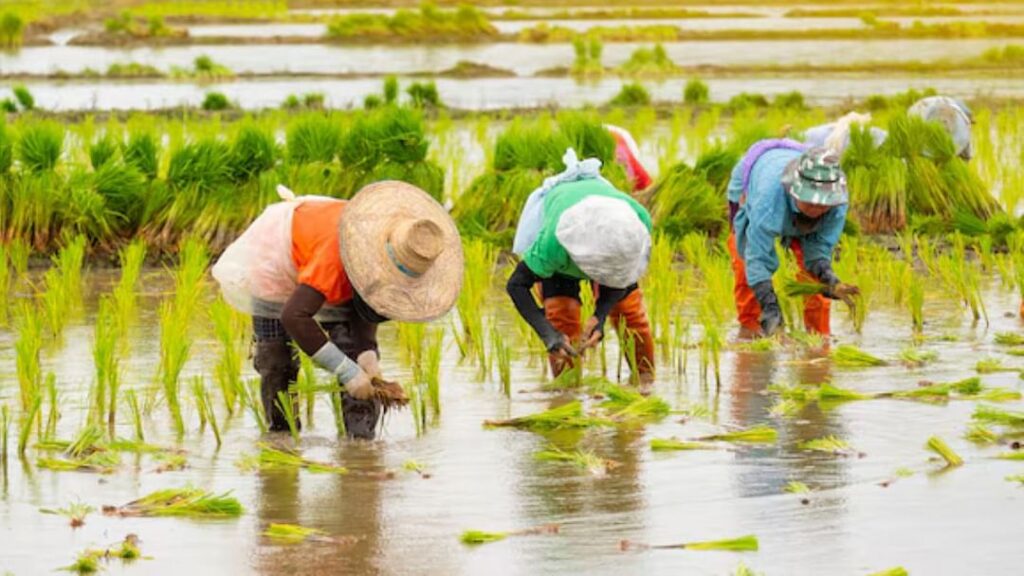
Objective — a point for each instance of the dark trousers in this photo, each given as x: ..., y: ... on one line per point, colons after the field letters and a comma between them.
x: 277, y: 361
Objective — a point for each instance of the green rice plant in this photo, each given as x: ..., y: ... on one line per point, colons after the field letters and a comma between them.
x: 683, y: 202
x: 897, y: 571
x: 185, y: 502
x: 27, y: 348
x: 937, y: 445
x: 174, y: 351
x: 627, y: 405
x: 847, y: 356
x: 285, y: 402
x: 97, y: 462
x: 306, y: 385
x: 131, y: 258
x: 829, y: 393
x: 76, y: 513
x: 102, y: 150
x: 671, y: 445
x: 253, y: 152
x: 980, y: 434
x: 786, y: 407
x: 25, y: 99
x: 107, y: 382
x: 569, y: 415
x: 432, y: 369
x: 424, y: 95
x: 313, y: 138
x: 293, y: 534
x: 829, y: 444
x: 229, y: 328
x: 696, y: 92
x: 476, y: 537
x: 754, y: 435
x: 583, y: 459
x: 133, y: 406
x: 993, y: 415
x: 796, y: 487
x: 1019, y: 478
x: 142, y: 151
x: 270, y: 457
x: 631, y: 95
x: 501, y: 352
x: 200, y: 167
x: 5, y: 284
x: 86, y: 563
x: 916, y: 358
x: 248, y: 394
x: 87, y: 442
x: 992, y: 366
x: 1016, y: 455
x: 479, y: 258
x: 649, y: 62
x: 1009, y: 339
x: 207, y: 415
x: 215, y: 102
x: 40, y: 146
x: 12, y: 28
x: 741, y: 544
x: 6, y: 148
x: 915, y: 300
x: 5, y: 430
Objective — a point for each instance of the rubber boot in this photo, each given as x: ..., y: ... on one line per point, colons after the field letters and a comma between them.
x: 278, y: 368
x: 360, y: 416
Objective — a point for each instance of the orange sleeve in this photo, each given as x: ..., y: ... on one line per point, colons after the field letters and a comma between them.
x: 315, y: 249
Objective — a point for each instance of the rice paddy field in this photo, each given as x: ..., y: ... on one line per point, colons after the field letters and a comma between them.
x: 134, y: 149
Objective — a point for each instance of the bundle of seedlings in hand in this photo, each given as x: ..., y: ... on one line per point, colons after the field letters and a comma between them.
x: 75, y: 513
x: 795, y: 288
x: 672, y: 444
x: 390, y: 395
x: 741, y: 544
x: 583, y: 459
x: 569, y: 415
x: 185, y: 502
x: 475, y: 537
x: 848, y: 356
x: 270, y: 457
x: 829, y: 444
x: 755, y: 435
x: 937, y: 445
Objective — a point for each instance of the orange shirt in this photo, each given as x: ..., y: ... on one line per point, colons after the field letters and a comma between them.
x: 315, y: 249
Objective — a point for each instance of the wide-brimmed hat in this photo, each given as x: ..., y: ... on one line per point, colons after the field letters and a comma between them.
x: 816, y: 178
x: 401, y: 252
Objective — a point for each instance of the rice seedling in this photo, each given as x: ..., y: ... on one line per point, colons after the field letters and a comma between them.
x: 897, y: 571
x: 754, y: 435
x: 107, y: 363
x: 174, y: 350
x: 248, y: 393
x: 479, y: 260
x: 133, y: 407
x: 1009, y: 339
x: 1018, y: 478
x: 992, y: 366
x: 86, y: 563
x: 501, y: 352
x: 569, y: 415
x: 785, y: 407
x: 185, y: 502
x: 672, y: 445
x: 414, y: 466
x: 432, y: 369
x: 87, y: 442
x: 796, y: 288
x: 229, y: 328
x: 170, y: 463
x: 285, y: 402
x: 796, y: 487
x: 742, y: 544
x: 76, y: 513
x: 41, y: 146
x: 5, y: 430
x: 476, y: 537
x: 97, y: 462
x: 582, y: 459
x: 829, y: 444
x: 270, y: 457
x: 937, y: 445
x: 628, y: 406
x: 979, y: 434
x: 293, y: 534
x: 847, y: 356
x: 1015, y: 456
x: 916, y: 358
x: 207, y: 415
x: 993, y: 415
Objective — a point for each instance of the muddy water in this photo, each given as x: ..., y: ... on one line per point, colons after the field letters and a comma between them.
x: 488, y: 479
x: 493, y: 93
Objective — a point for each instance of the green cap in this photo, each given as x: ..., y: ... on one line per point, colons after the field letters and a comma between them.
x: 816, y: 178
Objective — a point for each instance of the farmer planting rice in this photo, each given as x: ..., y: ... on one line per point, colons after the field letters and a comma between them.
x: 579, y: 227
x: 953, y: 114
x: 781, y: 190
x: 627, y: 154
x: 323, y: 273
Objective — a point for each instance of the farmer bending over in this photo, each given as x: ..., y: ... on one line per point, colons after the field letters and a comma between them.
x: 323, y: 273
x: 579, y: 227
x: 780, y: 191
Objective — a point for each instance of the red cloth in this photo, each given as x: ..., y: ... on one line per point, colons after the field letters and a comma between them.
x: 624, y: 155
x: 316, y: 251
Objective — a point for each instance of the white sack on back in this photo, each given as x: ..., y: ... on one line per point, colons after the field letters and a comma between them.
x: 606, y: 239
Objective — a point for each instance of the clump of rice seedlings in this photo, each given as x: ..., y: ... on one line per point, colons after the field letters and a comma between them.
x: 1018, y: 478
x: 479, y: 259
x: 170, y: 463
x: 270, y: 457
x: 186, y: 502
x: 229, y: 328
x: 848, y: 356
x: 207, y: 415
x: 306, y: 385
x: 105, y: 358
x: 915, y: 300
x: 476, y: 537
x: 97, y: 462
x: 414, y: 466
x: 86, y: 563
x: 1016, y: 456
x: 432, y: 369
x: 1009, y: 339
x: 672, y: 445
x: 628, y: 405
x: 937, y: 445
x: 87, y: 442
x: 41, y: 146
x: 785, y: 407
x: 569, y: 415
x: 286, y: 404
x: 5, y: 428
x: 501, y: 352
x: 583, y: 459
x: 174, y: 350
x: 249, y: 395
x: 916, y: 358
x: 897, y: 571
x: 992, y: 366
x: 993, y: 415
x: 27, y: 348
x: 293, y: 534
x: 980, y: 434
x: 76, y: 512
x: 797, y: 487
x: 742, y: 544
x: 133, y: 407
x: 829, y: 393
x: 795, y: 288
x: 754, y: 435
x: 829, y: 444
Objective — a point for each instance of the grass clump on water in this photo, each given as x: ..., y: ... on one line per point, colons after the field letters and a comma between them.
x: 182, y: 502
x: 993, y: 415
x: 937, y: 445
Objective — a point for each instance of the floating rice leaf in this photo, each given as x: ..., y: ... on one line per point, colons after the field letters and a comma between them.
x: 583, y: 459
x: 568, y: 415
x: 184, y: 502
x: 1015, y: 352
x: 994, y: 415
x: 755, y: 435
x: 475, y: 537
x: 292, y: 534
x: 741, y: 544
x: 1009, y: 339
x: 848, y: 356
x: 981, y: 435
x: 937, y: 445
x: 1019, y: 455
x: 829, y: 444
x: 671, y: 444
x: 270, y: 457
x: 795, y: 487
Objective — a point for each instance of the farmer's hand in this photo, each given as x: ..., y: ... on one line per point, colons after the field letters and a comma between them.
x: 593, y: 333
x: 844, y: 292
x: 771, y: 321
x: 370, y: 363
x: 559, y: 346
x: 360, y: 387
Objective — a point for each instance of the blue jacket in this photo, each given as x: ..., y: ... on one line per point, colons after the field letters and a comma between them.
x: 769, y: 213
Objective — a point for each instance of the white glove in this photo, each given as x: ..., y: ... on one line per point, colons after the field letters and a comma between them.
x: 370, y: 364
x: 360, y: 386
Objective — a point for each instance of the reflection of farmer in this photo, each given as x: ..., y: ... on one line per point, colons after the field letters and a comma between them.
x: 324, y: 272
x: 951, y: 113
x: 780, y: 191
x: 579, y: 227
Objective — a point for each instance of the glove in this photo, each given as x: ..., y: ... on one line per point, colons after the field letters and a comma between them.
x: 558, y: 344
x: 369, y: 362
x: 771, y: 314
x: 593, y: 333
x: 844, y: 292
x: 359, y: 386
x: 822, y: 270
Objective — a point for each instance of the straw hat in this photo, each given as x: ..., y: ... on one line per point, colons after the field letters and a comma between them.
x: 401, y: 251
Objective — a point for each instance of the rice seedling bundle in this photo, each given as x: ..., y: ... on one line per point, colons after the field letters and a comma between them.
x: 5, y: 429
x: 286, y: 403
x: 76, y: 513
x: 829, y: 444
x: 795, y: 288
x: 1015, y: 456
x: 271, y: 457
x: 628, y: 405
x: 937, y: 445
x: 915, y: 358
x: 992, y: 366
x: 569, y: 415
x: 753, y: 435
x: 97, y: 462
x: 1019, y: 478
x: 142, y: 152
x: 103, y: 150
x: 180, y: 502
x: 27, y: 347
x: 979, y: 434
x: 253, y: 151
x: 40, y: 146
x: 313, y: 138
x: 993, y: 415
x: 583, y: 459
x: 848, y: 356
x: 293, y: 534
x: 796, y: 487
x: 1009, y: 339
x: 479, y: 258
x: 174, y: 351
x: 201, y: 166
x: 683, y: 201
x: 897, y: 571
x: 742, y: 544
x: 207, y: 415
x: 106, y: 337
x: 671, y: 445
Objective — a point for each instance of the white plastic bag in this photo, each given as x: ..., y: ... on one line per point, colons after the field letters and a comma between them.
x: 607, y: 240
